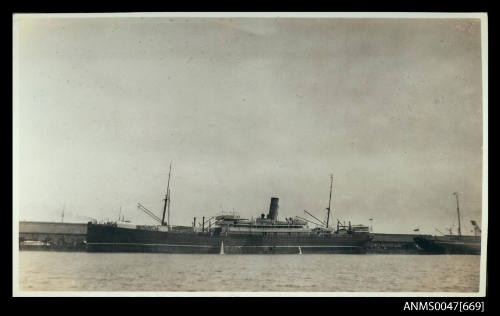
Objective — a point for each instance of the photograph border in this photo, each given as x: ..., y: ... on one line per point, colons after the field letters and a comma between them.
x: 347, y: 15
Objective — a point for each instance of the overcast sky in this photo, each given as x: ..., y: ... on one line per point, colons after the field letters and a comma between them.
x: 246, y: 109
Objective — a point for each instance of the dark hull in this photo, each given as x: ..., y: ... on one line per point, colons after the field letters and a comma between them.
x: 103, y: 238
x: 435, y: 246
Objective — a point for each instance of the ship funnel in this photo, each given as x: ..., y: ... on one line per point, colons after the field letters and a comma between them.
x: 273, y: 209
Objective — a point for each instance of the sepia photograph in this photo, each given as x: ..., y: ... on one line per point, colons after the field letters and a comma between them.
x: 250, y: 154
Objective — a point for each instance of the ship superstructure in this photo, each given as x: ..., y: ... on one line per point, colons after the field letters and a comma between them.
x: 264, y: 225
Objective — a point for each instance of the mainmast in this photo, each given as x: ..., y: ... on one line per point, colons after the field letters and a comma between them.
x: 167, y: 201
x: 168, y: 192
x: 458, y: 212
x: 329, y: 202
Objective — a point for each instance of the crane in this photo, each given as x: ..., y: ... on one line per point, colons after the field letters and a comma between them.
x: 148, y: 212
x: 322, y: 223
x: 477, y: 230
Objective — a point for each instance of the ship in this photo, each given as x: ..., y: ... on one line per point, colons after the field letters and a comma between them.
x: 230, y: 234
x: 451, y: 244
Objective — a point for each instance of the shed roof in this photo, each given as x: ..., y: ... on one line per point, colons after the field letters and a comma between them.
x: 52, y: 228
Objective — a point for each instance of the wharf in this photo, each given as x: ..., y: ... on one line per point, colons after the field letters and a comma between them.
x: 72, y: 237
x: 52, y: 236
x: 393, y: 243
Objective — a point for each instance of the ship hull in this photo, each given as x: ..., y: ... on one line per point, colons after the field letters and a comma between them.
x: 104, y: 238
x: 437, y: 246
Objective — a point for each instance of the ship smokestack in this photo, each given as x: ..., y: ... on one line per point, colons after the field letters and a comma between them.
x: 273, y: 209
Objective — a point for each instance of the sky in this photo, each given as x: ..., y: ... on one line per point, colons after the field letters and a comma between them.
x: 247, y: 109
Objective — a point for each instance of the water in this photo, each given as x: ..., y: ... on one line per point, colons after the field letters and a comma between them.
x: 80, y: 271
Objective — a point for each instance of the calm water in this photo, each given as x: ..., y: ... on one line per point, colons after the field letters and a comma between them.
x: 80, y: 271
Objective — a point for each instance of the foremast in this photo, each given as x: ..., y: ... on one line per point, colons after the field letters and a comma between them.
x: 166, y: 205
